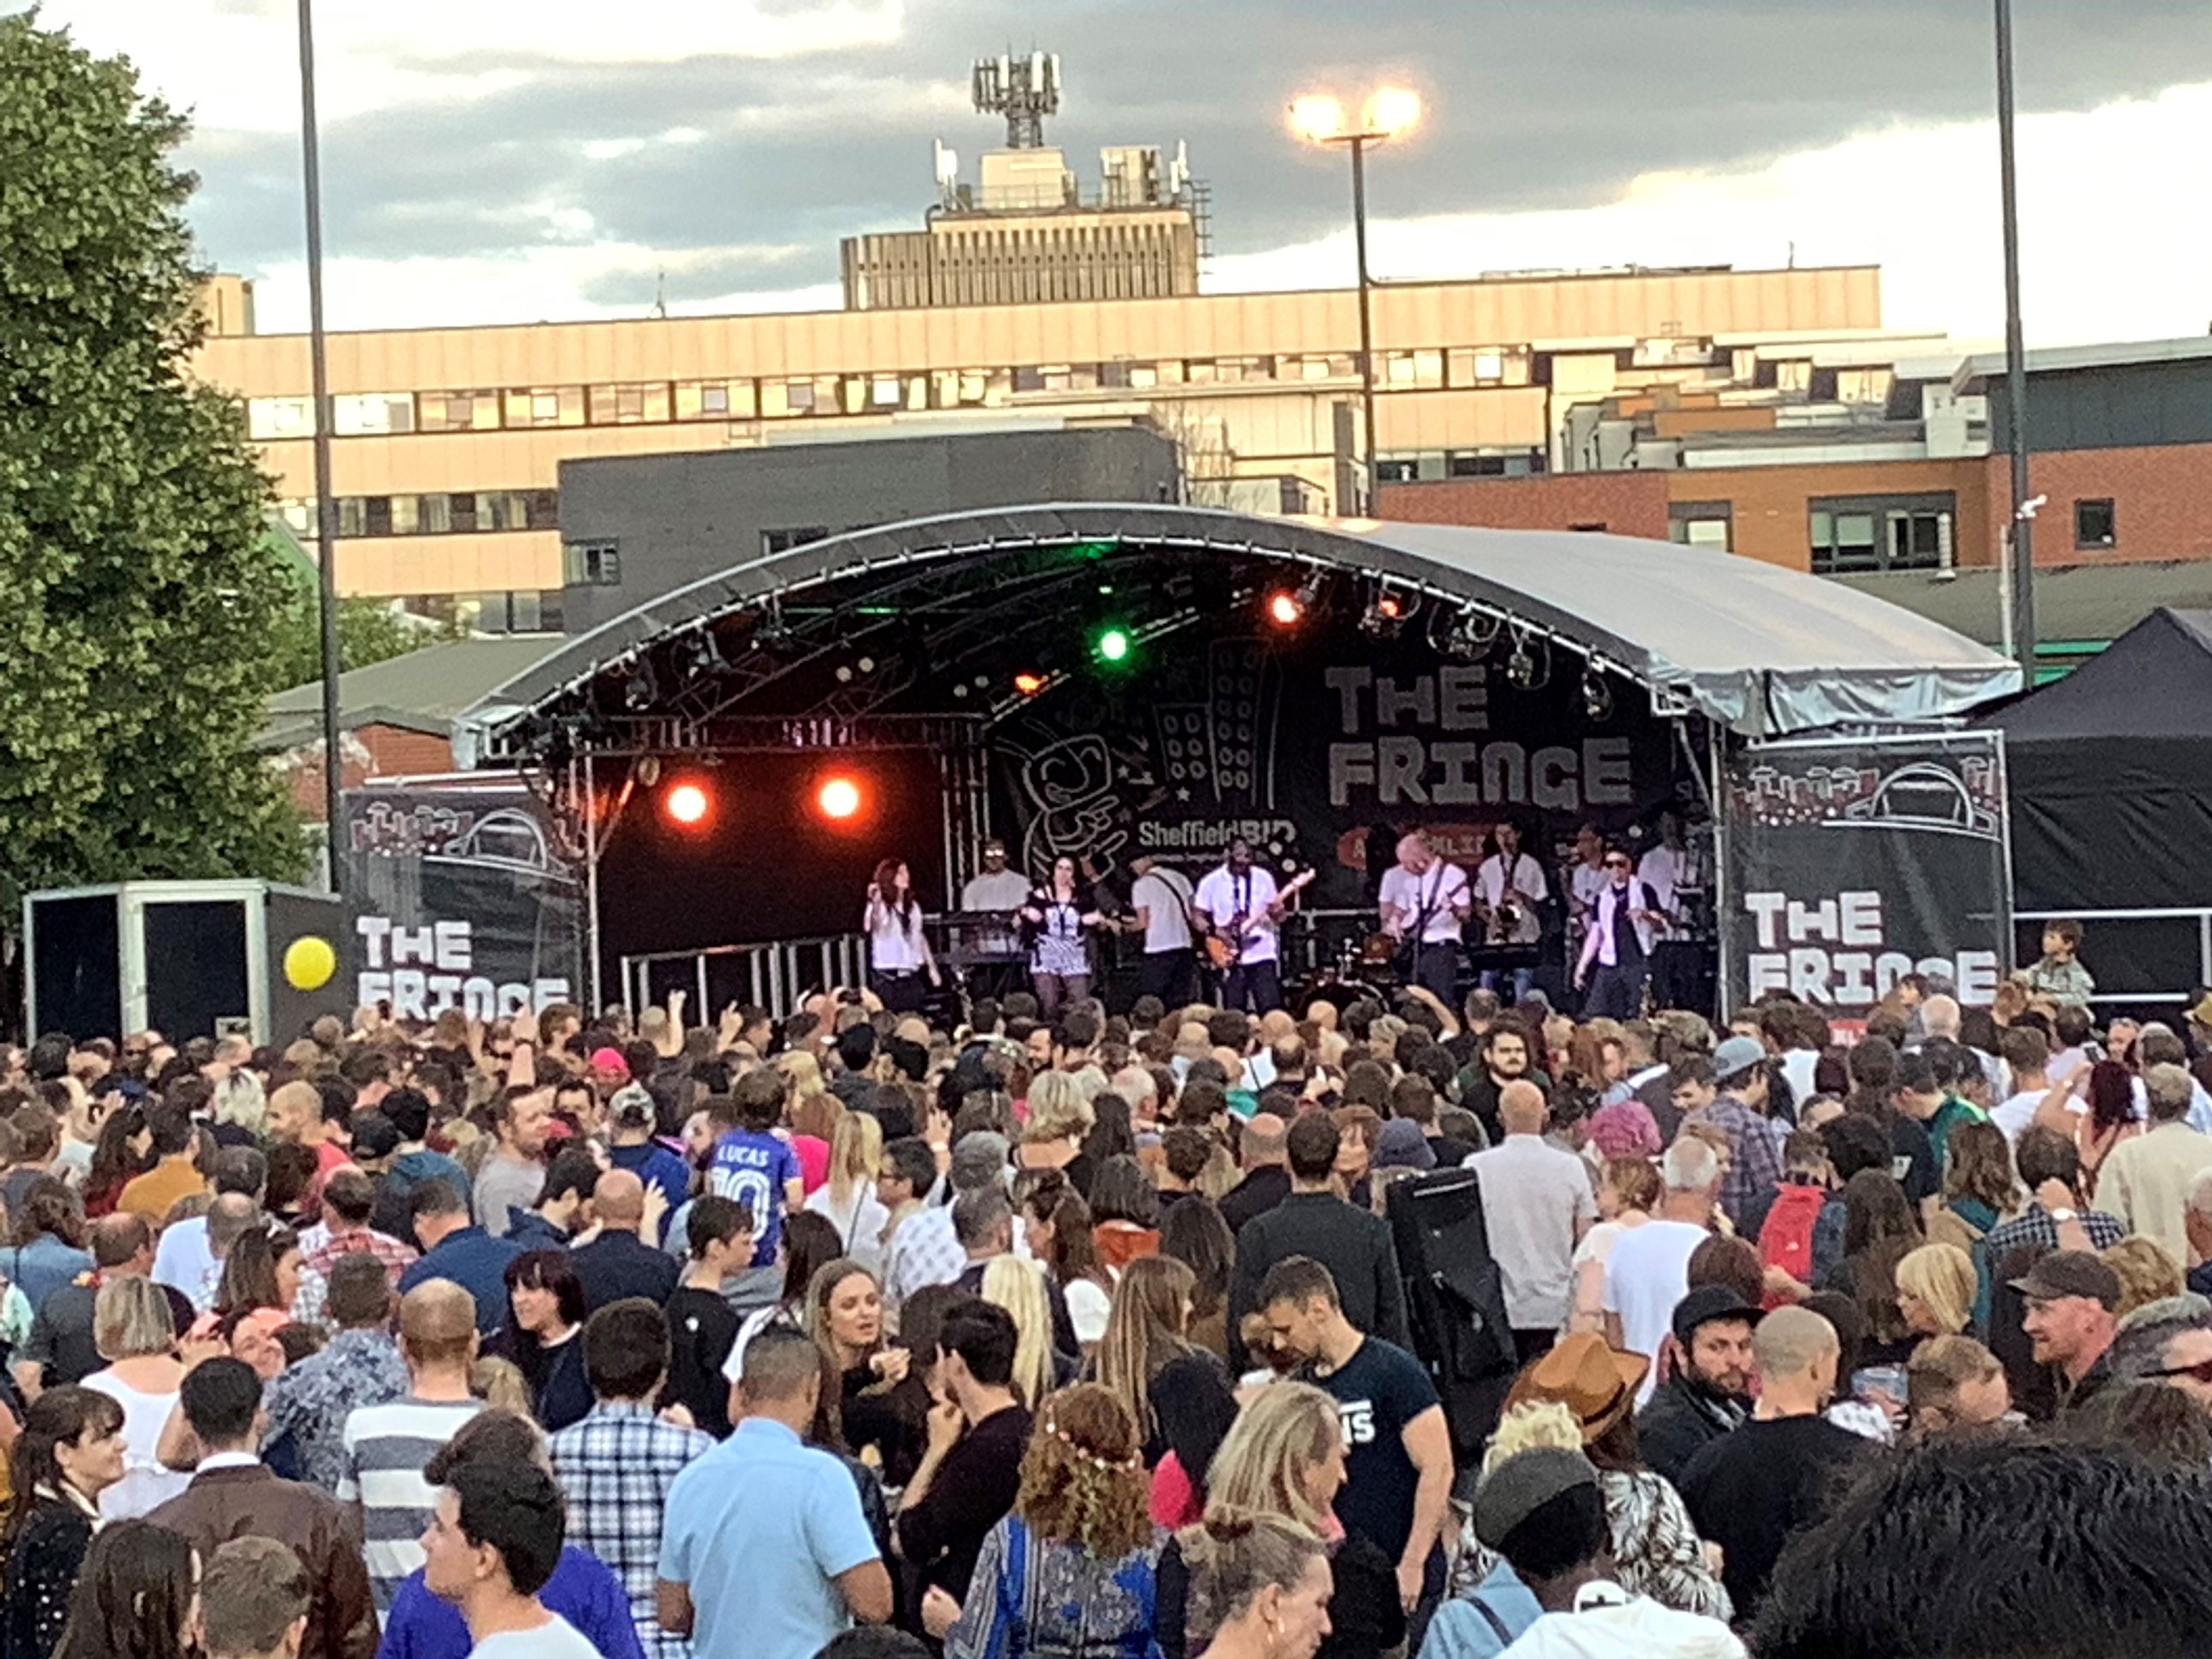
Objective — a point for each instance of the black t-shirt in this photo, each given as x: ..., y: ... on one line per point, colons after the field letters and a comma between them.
x: 1379, y: 1391
x: 1749, y: 1491
x: 1908, y: 1139
x: 973, y: 1489
x: 702, y: 1330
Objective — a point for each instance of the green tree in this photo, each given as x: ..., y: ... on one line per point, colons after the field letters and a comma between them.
x: 369, y: 631
x: 137, y: 590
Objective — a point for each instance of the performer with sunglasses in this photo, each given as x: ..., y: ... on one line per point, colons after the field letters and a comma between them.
x: 1625, y: 922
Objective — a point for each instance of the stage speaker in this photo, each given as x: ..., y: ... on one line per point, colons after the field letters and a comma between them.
x: 186, y: 958
x: 1455, y: 1301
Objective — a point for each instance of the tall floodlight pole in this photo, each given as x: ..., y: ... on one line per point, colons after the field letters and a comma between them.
x: 326, y: 507
x: 2019, y: 542
x: 1321, y: 118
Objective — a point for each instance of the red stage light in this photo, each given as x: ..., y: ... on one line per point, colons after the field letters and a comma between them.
x: 687, y: 803
x: 1029, y: 685
x: 1284, y: 611
x: 1390, y: 606
x: 838, y: 797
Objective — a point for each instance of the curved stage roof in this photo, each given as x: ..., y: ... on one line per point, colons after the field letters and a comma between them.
x: 1756, y: 648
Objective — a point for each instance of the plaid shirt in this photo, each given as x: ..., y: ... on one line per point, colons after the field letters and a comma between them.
x: 616, y: 1466
x: 923, y: 1251
x: 397, y: 1258
x: 2034, y: 1226
x: 1755, y: 1152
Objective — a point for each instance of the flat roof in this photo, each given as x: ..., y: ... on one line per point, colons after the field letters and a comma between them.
x: 1990, y: 365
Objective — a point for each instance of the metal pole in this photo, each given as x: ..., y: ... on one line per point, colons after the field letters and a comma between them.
x: 592, y: 882
x: 326, y: 507
x: 1366, y: 315
x: 2021, y: 552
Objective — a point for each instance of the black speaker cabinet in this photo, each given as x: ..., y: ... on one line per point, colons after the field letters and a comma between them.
x: 186, y: 958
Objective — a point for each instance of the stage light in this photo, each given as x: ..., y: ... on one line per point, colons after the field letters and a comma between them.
x: 1029, y: 685
x: 1597, y: 695
x: 687, y: 803
x: 1113, y: 645
x: 1284, y: 611
x: 1387, y: 612
x: 641, y: 690
x: 838, y: 797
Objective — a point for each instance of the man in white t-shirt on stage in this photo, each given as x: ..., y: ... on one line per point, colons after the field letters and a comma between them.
x: 1161, y: 899
x: 1237, y: 902
x: 1512, y: 887
x: 996, y: 891
x: 1424, y: 900
x: 1649, y: 1270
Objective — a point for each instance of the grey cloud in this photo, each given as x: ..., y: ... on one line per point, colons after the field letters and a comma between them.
x: 1554, y: 105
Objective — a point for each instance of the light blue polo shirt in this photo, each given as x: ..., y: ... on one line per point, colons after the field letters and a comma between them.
x: 759, y: 1527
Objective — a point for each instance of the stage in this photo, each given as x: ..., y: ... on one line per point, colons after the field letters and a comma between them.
x: 1113, y: 682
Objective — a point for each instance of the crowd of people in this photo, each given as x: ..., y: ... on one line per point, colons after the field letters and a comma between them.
x: 842, y: 1334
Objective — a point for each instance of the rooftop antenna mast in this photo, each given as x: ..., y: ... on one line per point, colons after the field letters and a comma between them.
x: 1022, y: 89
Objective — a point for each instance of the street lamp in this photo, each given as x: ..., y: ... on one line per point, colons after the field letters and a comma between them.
x: 2019, y: 548
x: 326, y: 507
x: 1321, y: 117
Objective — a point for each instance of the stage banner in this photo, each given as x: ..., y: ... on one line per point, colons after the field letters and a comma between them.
x: 1322, y: 753
x: 1849, y: 863
x: 466, y: 895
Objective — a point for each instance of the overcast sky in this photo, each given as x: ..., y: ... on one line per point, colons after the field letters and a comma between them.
x: 508, y: 160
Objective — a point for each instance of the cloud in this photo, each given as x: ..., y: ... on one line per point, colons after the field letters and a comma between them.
x: 481, y: 130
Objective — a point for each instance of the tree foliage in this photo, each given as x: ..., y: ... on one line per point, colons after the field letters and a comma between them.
x: 137, y: 591
x: 369, y: 631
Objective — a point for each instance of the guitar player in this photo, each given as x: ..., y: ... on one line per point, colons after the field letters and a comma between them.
x: 1424, y: 902
x: 1241, y: 904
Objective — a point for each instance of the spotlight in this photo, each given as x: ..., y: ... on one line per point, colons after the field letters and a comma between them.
x: 1284, y: 609
x: 1597, y: 695
x: 1029, y: 685
x: 838, y: 797
x: 1521, y: 666
x: 1387, y: 612
x: 1113, y: 645
x: 699, y: 654
x: 640, y: 692
x: 687, y: 803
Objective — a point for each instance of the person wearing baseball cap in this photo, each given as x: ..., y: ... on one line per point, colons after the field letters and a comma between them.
x: 2071, y: 1321
x: 1738, y: 1106
x: 1707, y: 1393
x: 1544, y: 1511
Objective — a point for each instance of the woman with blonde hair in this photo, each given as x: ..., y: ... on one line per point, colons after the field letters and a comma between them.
x: 1282, y: 1460
x: 1019, y: 1287
x: 132, y: 1331
x: 1935, y: 1288
x: 1627, y: 1193
x: 1147, y: 1327
x: 1073, y: 1571
x: 1060, y: 1116
x: 2147, y: 1272
x: 847, y: 1199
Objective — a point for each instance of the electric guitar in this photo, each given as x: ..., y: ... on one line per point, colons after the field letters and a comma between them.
x: 1224, y: 945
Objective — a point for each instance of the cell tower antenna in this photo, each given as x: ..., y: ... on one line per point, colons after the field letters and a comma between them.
x: 1024, y: 89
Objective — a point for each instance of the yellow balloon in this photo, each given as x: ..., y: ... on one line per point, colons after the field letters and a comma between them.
x: 309, y: 961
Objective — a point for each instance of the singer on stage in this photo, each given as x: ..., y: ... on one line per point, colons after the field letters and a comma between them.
x: 900, y: 965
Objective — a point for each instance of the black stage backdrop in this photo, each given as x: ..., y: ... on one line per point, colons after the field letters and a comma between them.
x: 465, y: 896
x: 1320, y: 751
x: 1850, y: 863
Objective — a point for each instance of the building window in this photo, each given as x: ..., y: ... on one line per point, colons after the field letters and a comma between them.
x: 628, y: 405
x: 1412, y: 369
x: 1881, y: 532
x: 434, y: 514
x: 268, y: 418
x: 457, y: 411
x: 591, y: 564
x: 372, y: 413
x: 2095, y: 524
x: 548, y: 406
x: 1702, y: 523
x: 353, y: 515
x: 1399, y: 470
x: 502, y: 509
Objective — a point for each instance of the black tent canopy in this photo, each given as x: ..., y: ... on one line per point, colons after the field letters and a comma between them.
x: 2111, y: 774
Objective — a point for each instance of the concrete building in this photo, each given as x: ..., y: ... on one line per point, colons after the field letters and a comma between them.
x: 634, y: 528
x: 449, y: 441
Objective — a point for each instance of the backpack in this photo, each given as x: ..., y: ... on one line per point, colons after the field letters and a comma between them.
x: 1785, y: 1239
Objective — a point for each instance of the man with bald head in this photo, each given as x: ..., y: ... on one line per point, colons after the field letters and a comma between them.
x: 385, y: 1446
x: 1424, y: 900
x: 1749, y: 1491
x: 60, y: 1347
x: 619, y: 1263
x: 1264, y: 1155
x: 1536, y: 1206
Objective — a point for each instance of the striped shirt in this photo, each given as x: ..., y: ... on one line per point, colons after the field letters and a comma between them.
x: 385, y: 1447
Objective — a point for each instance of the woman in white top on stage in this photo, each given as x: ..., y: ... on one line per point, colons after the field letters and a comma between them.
x: 899, y: 959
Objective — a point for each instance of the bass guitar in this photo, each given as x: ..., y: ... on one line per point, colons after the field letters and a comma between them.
x: 1224, y: 945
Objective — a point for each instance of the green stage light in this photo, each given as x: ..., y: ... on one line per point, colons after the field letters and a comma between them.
x: 1113, y: 645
